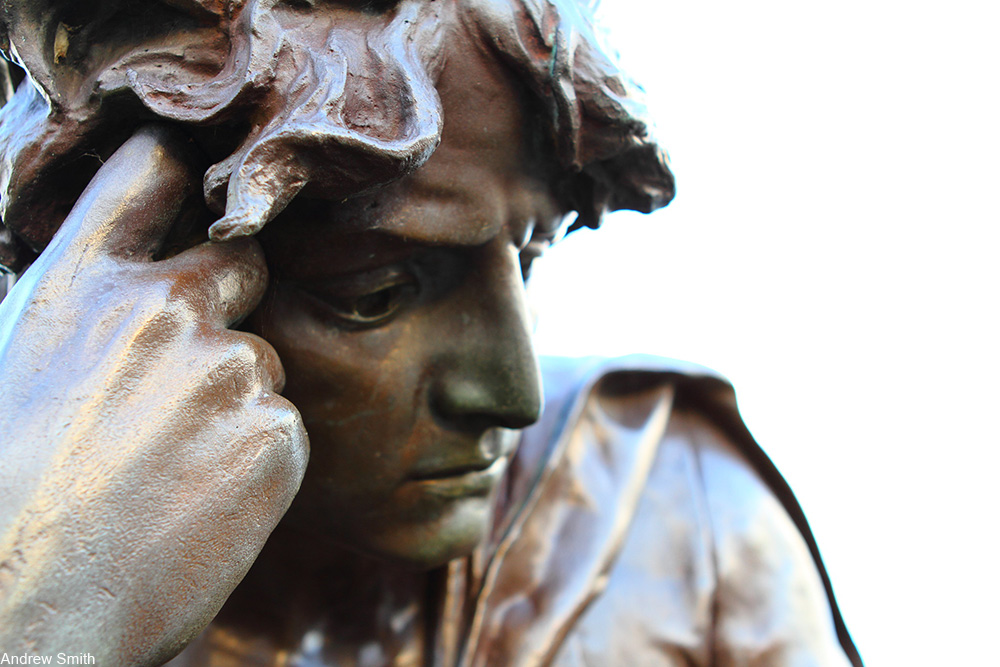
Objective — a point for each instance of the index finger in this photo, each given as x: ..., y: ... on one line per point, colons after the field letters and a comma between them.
x: 132, y: 201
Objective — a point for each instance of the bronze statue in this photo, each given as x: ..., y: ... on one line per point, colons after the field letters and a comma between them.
x: 239, y: 222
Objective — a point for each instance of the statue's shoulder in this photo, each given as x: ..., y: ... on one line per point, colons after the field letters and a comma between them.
x: 708, y: 464
x: 579, y: 388
x: 570, y: 382
x: 641, y: 521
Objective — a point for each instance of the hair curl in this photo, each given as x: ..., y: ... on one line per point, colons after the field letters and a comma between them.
x: 341, y: 103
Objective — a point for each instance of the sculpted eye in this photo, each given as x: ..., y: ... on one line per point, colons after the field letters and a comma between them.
x: 367, y: 299
x: 526, y: 261
x: 535, y: 248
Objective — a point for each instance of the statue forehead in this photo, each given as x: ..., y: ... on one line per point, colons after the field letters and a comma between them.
x: 484, y: 179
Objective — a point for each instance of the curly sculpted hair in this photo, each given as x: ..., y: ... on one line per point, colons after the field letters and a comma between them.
x: 332, y: 97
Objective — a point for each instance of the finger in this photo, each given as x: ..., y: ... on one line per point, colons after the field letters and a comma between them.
x: 280, y: 453
x: 251, y: 357
x: 236, y: 368
x: 229, y: 279
x: 130, y: 204
x: 288, y: 432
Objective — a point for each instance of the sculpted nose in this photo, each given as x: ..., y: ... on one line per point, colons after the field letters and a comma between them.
x: 489, y: 374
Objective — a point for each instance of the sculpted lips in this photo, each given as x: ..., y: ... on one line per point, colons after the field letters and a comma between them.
x: 454, y: 470
x: 481, y: 469
x: 471, y: 483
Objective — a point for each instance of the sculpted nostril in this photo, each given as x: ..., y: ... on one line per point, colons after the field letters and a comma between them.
x: 481, y: 400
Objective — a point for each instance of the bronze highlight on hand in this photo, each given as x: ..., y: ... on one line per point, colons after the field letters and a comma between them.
x: 147, y: 454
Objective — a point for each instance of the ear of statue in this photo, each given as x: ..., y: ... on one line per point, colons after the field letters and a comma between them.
x: 597, y: 115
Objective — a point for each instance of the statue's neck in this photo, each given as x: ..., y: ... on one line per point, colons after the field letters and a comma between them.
x: 325, y: 604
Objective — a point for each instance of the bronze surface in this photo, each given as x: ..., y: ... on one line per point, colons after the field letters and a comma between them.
x: 160, y: 365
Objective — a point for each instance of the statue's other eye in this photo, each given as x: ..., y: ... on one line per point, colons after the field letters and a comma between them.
x: 367, y: 299
x: 535, y: 248
x: 526, y: 261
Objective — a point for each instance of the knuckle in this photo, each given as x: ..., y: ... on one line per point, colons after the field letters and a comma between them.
x: 251, y: 255
x: 272, y: 461
x: 240, y: 273
x: 163, y: 303
x: 283, y: 421
x: 287, y: 435
x: 239, y: 354
x: 235, y: 366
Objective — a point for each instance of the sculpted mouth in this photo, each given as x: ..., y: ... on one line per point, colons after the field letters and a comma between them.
x: 476, y: 479
x: 454, y: 470
x: 492, y: 454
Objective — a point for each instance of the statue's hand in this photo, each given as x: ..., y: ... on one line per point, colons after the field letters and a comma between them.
x: 145, y: 454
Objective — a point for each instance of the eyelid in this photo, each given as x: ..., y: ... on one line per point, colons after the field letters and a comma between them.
x: 348, y: 297
x: 366, y: 282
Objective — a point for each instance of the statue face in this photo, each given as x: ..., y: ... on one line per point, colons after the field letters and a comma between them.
x: 402, y: 324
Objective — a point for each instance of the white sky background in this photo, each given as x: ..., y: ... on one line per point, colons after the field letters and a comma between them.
x: 833, y: 249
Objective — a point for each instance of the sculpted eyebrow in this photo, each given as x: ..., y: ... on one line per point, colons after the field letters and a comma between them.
x: 350, y: 253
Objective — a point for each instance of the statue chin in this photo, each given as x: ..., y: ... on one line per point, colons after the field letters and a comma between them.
x: 421, y: 540
x: 455, y: 536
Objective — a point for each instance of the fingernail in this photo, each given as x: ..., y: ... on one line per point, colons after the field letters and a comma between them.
x: 228, y: 229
